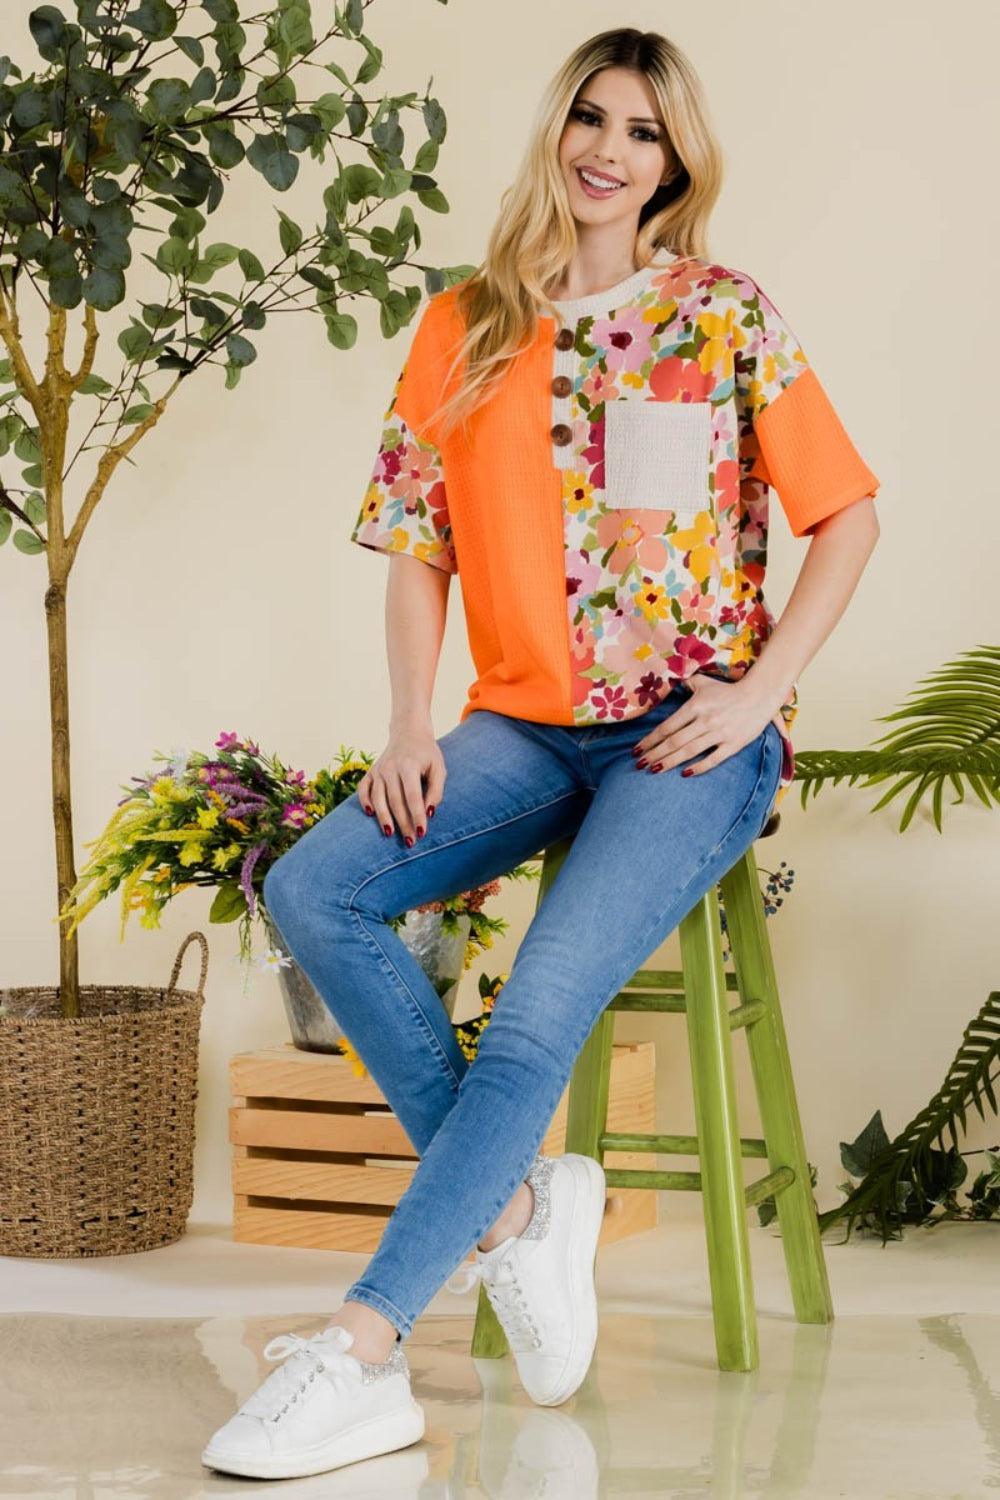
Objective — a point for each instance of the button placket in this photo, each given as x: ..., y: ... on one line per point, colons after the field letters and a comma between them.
x: 563, y: 368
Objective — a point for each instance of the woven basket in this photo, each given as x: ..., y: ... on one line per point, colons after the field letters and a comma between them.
x: 97, y: 1117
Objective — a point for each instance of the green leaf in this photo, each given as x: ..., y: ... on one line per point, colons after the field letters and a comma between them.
x: 6, y: 522
x: 167, y: 102
x: 289, y: 234
x: 28, y: 542
x: 138, y: 413
x: 251, y: 266
x: 156, y: 20
x: 434, y: 199
x: 176, y: 257
x: 229, y: 902
x: 134, y: 342
x: 341, y: 330
x: 395, y: 181
x: 224, y: 146
x: 48, y: 27
x: 360, y: 182
x: 104, y: 288
x: 34, y: 508
x: 331, y: 109
x: 240, y: 350
x: 269, y: 156
x: 215, y: 258
x: 435, y: 121
x: 94, y: 385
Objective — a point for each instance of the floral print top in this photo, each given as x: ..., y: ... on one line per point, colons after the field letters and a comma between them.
x: 606, y: 510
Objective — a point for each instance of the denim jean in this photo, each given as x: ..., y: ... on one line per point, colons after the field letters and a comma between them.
x: 646, y: 847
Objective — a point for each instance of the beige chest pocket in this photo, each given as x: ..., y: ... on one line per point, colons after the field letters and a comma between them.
x: 657, y: 454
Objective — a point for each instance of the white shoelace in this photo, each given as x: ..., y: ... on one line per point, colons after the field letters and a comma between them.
x: 324, y: 1352
x: 507, y: 1297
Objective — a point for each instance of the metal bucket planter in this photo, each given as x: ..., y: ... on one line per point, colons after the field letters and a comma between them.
x: 97, y: 1117
x: 440, y: 954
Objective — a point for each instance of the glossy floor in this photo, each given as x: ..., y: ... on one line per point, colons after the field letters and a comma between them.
x: 115, y: 1371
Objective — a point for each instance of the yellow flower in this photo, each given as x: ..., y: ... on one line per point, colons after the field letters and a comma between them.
x: 207, y: 816
x: 717, y: 351
x: 357, y: 1066
x: 191, y: 854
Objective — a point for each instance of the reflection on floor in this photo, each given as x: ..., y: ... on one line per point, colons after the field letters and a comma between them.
x: 116, y: 1370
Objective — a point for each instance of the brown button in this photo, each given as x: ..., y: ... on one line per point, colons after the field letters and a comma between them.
x: 565, y: 338
x: 562, y: 385
x: 561, y: 434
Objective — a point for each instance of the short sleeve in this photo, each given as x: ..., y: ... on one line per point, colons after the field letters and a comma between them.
x: 791, y: 431
x: 405, y: 507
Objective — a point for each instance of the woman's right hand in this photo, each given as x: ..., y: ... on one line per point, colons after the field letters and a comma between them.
x: 392, y: 787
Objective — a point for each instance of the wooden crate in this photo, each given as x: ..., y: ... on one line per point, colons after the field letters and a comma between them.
x: 320, y: 1161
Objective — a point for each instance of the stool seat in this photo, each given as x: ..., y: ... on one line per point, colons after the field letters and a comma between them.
x: 699, y: 991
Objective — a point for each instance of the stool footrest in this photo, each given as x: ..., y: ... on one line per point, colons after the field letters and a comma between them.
x: 772, y: 1184
x: 690, y: 1182
x: 669, y: 1145
x: 655, y: 1001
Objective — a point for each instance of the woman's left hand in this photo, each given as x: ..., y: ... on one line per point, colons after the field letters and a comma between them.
x: 721, y: 716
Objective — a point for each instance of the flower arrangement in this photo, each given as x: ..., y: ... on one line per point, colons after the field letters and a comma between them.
x: 221, y: 821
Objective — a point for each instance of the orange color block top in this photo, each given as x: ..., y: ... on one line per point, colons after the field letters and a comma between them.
x: 607, y: 510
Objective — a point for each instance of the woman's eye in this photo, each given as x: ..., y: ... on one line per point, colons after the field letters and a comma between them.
x: 587, y: 117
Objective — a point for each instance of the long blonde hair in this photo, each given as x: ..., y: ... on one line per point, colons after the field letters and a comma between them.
x: 533, y: 240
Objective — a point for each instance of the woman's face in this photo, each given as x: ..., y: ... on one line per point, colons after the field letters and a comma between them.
x: 614, y: 132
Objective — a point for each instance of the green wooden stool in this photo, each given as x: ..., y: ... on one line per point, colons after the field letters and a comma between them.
x: 699, y: 990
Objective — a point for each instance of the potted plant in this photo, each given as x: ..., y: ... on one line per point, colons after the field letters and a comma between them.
x: 130, y: 130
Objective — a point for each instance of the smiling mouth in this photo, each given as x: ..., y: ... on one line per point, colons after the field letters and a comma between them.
x: 598, y: 180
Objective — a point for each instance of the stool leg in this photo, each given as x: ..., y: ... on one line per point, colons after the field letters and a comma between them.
x: 589, y: 1088
x: 775, y: 1086
x: 488, y: 1338
x: 720, y: 1156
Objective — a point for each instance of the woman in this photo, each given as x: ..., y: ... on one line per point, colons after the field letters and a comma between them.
x: 586, y: 430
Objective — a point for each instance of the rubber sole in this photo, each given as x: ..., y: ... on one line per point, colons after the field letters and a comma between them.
x: 588, y: 1215
x: 379, y: 1434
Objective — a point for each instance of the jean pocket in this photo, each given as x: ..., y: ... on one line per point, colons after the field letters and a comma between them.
x: 657, y: 455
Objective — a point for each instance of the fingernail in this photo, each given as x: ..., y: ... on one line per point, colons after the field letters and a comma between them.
x: 639, y: 764
x: 430, y: 811
x: 409, y: 841
x: 686, y: 771
x: 657, y: 767
x: 369, y: 810
x: 636, y: 750
x: 420, y: 833
x: 386, y: 828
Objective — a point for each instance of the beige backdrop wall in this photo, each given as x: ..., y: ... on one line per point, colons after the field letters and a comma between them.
x: 217, y: 589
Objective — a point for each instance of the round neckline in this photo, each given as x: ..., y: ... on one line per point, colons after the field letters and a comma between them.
x: 619, y: 293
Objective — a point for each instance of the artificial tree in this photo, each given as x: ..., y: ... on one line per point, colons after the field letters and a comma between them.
x: 133, y: 128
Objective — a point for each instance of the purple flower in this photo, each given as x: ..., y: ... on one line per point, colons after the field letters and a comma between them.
x: 252, y: 856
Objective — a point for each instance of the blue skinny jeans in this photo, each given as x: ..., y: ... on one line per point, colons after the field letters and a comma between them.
x: 646, y: 846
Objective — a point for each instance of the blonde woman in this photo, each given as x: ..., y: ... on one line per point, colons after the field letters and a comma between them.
x: 586, y: 431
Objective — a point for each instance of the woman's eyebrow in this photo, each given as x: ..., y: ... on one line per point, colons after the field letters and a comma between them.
x: 633, y: 119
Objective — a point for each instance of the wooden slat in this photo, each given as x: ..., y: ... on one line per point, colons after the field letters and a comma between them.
x: 304, y: 1130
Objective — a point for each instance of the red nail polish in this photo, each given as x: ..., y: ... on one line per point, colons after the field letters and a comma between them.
x: 686, y: 771
x: 409, y: 841
x: 639, y: 764
x: 657, y: 767
x: 369, y: 810
x: 386, y: 828
x: 420, y: 833
x: 430, y: 811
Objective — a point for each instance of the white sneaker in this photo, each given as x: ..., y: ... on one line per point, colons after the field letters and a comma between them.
x: 320, y: 1409
x: 540, y: 1283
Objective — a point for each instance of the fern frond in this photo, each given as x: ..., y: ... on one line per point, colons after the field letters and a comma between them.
x: 952, y: 734
x: 908, y: 1158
